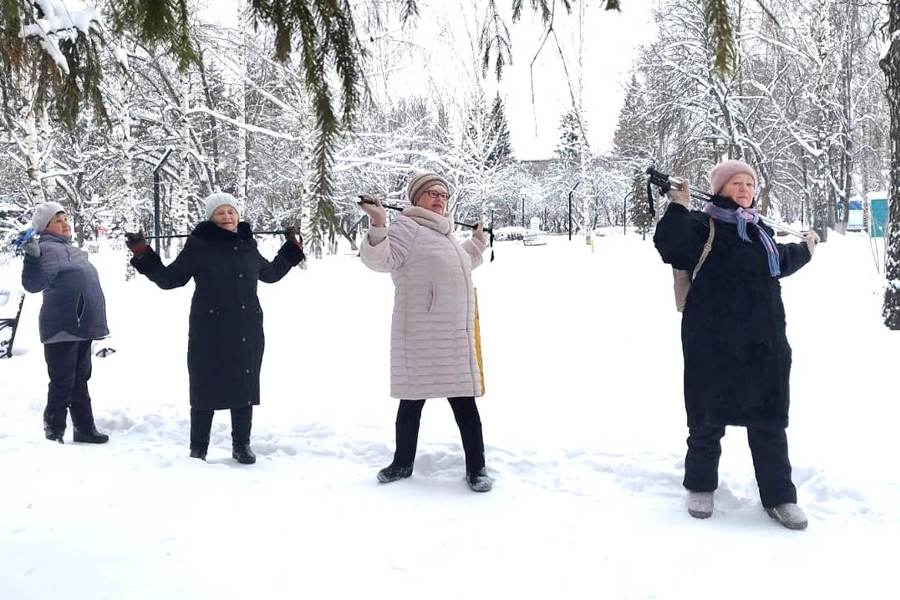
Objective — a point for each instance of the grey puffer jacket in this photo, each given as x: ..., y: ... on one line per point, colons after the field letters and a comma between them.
x: 73, y: 300
x: 433, y: 353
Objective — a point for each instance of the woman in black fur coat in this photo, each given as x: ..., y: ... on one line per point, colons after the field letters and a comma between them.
x: 737, y: 359
x: 225, y: 339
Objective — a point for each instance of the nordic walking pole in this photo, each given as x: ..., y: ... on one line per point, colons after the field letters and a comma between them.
x: 367, y: 199
x: 184, y: 235
x: 666, y: 182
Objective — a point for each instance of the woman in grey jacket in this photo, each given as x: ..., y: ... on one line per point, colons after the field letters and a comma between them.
x: 433, y: 352
x: 73, y: 314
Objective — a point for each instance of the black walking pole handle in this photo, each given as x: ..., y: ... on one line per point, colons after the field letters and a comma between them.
x: 184, y: 235
x: 367, y: 199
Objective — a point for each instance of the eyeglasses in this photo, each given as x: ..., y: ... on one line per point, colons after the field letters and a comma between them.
x: 436, y: 195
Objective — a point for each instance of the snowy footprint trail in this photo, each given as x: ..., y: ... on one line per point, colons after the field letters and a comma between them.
x: 584, y: 435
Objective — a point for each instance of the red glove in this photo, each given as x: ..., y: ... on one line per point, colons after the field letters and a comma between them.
x: 293, y: 236
x: 136, y: 242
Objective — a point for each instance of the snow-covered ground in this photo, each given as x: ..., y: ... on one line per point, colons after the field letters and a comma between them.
x: 584, y: 428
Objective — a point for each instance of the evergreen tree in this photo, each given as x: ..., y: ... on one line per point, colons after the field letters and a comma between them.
x: 501, y: 152
x: 572, y: 144
x: 639, y: 209
x: 633, y: 138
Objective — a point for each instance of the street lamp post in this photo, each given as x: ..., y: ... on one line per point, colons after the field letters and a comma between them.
x: 572, y: 191
x: 523, y: 192
x: 156, y: 185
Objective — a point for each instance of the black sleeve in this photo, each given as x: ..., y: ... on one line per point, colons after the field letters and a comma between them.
x: 792, y: 257
x: 680, y: 235
x: 289, y: 255
x: 167, y: 277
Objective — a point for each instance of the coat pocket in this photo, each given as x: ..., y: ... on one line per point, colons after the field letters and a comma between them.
x: 79, y: 310
x: 432, y: 297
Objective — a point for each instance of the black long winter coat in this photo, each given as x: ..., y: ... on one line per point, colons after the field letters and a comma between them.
x: 225, y: 339
x: 737, y: 360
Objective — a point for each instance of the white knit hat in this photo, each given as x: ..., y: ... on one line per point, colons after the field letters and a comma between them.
x: 217, y: 199
x: 43, y: 214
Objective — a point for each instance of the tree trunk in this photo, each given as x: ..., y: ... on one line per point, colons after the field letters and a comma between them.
x: 129, y: 208
x: 32, y: 149
x: 890, y: 64
x: 240, y: 191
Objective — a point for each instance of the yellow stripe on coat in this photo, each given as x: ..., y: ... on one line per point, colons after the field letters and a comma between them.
x: 478, y: 342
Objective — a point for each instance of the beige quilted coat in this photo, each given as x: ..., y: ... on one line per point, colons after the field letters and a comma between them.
x: 432, y: 331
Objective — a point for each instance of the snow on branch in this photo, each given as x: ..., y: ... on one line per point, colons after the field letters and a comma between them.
x: 246, y: 126
x: 61, y: 20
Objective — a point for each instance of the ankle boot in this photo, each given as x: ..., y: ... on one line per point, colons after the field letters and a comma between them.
x: 479, y: 481
x: 241, y: 452
x: 55, y: 425
x: 90, y: 437
x: 394, y: 472
x: 54, y: 436
x: 407, y: 436
x: 83, y: 423
x: 201, y: 423
x: 473, y: 446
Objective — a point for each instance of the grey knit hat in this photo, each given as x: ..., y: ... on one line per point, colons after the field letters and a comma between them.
x: 217, y: 199
x: 422, y: 181
x: 43, y: 214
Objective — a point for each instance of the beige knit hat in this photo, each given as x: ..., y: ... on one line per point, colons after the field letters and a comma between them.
x: 422, y: 181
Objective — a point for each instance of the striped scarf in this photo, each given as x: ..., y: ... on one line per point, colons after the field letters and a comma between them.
x: 740, y: 217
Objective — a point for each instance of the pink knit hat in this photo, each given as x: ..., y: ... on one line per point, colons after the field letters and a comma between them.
x: 725, y: 170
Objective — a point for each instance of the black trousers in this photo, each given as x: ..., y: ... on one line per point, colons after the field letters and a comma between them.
x: 465, y: 411
x: 769, y: 448
x: 201, y: 423
x: 69, y: 368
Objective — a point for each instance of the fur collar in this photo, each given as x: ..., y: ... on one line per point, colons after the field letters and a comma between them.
x: 429, y: 219
x: 207, y: 230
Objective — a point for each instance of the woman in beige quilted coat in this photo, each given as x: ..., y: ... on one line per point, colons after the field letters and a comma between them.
x: 433, y: 328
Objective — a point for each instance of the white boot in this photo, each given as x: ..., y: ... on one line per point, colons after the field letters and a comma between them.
x: 700, y: 504
x: 790, y: 515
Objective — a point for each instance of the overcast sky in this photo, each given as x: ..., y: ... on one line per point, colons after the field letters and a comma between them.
x: 437, y: 54
x: 611, y: 41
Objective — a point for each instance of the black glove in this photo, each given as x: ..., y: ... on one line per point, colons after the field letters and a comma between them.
x: 292, y: 235
x: 136, y: 242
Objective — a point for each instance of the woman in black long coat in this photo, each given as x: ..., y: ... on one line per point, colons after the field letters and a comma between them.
x: 225, y: 339
x: 737, y: 359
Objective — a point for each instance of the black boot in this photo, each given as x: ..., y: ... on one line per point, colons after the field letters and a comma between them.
x: 479, y: 481
x: 55, y: 425
x: 469, y: 421
x: 201, y: 422
x: 90, y: 437
x: 394, y: 472
x: 241, y: 452
x: 83, y: 423
x: 54, y: 436
x: 406, y: 429
x: 241, y: 422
